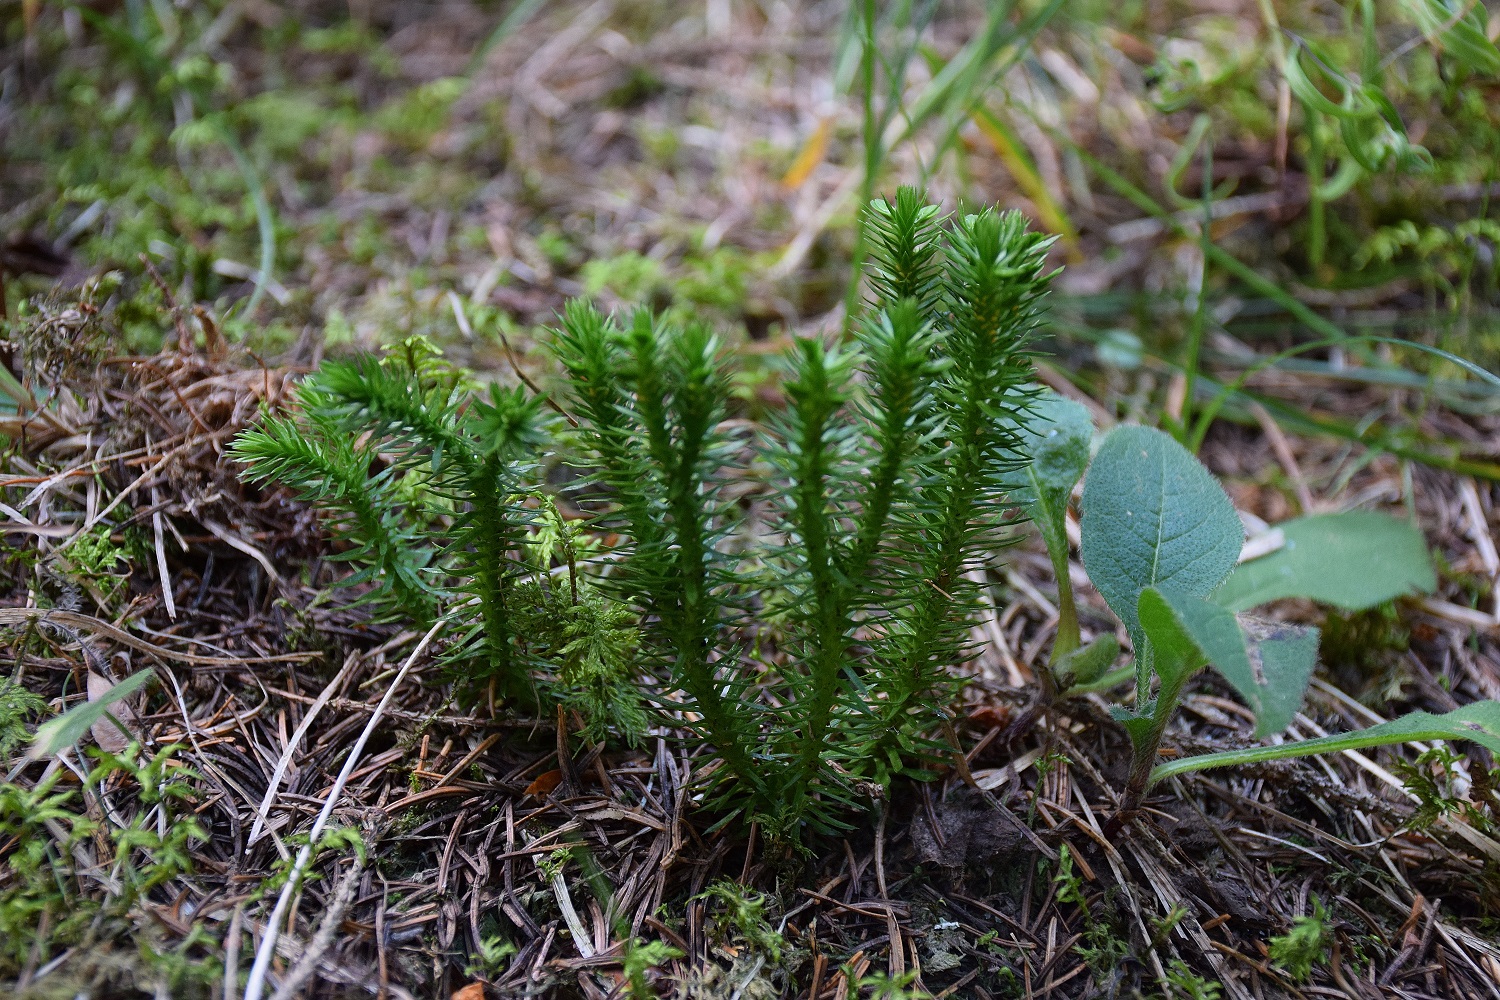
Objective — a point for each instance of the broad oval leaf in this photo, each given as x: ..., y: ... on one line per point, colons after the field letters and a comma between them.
x: 1153, y: 516
x: 1267, y: 663
x: 1054, y: 443
x: 1352, y: 561
x: 1087, y: 664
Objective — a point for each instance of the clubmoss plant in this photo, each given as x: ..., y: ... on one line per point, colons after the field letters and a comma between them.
x: 889, y: 467
x: 590, y: 639
x: 650, y: 401
x: 438, y: 524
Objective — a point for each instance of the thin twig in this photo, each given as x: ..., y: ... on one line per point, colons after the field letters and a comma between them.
x: 263, y: 954
x: 323, y: 940
x: 232, y: 953
x: 291, y: 747
x: 1283, y: 450
x: 74, y: 619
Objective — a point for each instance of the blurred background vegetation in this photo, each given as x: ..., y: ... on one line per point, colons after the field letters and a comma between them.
x: 332, y: 174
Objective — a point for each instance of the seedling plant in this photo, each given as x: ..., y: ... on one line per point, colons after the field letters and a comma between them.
x: 139, y: 815
x: 1162, y: 544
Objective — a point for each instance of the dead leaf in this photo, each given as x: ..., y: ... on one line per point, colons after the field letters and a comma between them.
x: 993, y: 716
x: 106, y: 733
x: 474, y: 991
x: 808, y: 158
x: 544, y: 783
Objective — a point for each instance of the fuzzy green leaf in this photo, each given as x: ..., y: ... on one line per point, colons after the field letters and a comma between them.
x: 1153, y: 516
x: 1268, y: 664
x: 1178, y: 650
x: 1288, y: 655
x: 1353, y: 561
x: 1053, y: 441
x: 1140, y: 727
x: 1175, y: 656
x: 1055, y: 437
x: 1479, y: 722
x: 1057, y: 434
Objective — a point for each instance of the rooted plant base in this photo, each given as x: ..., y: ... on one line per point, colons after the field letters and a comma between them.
x: 987, y: 882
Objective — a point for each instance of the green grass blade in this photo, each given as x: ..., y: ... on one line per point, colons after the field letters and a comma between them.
x: 1479, y: 722
x: 56, y: 734
x: 264, y: 220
